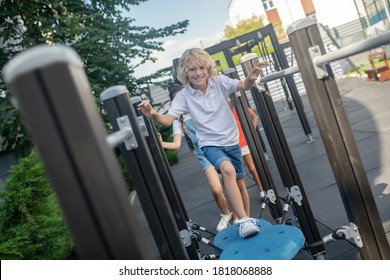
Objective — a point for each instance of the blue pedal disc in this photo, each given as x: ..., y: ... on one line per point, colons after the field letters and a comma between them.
x: 278, y: 242
x: 231, y: 234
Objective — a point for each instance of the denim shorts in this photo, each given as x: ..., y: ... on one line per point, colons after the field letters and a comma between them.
x: 217, y: 154
x: 202, y: 159
x: 198, y: 152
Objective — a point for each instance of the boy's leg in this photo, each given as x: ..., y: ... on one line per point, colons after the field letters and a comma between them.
x: 216, y: 188
x: 226, y: 160
x: 215, y: 184
x: 232, y: 191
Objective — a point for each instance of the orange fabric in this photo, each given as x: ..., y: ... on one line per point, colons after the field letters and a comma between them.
x: 241, y: 140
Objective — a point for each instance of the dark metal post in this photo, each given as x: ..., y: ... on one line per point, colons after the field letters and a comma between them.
x: 291, y: 85
x: 229, y: 72
x: 57, y: 105
x: 145, y: 175
x: 338, y: 140
x: 162, y: 165
x: 166, y: 176
x: 255, y: 147
x: 284, y: 161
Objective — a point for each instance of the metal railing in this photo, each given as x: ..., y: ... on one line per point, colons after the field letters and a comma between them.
x: 336, y: 132
x: 344, y: 52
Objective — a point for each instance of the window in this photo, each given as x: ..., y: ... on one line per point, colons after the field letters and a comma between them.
x: 268, y: 4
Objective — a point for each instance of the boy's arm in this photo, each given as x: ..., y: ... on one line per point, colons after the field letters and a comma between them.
x: 147, y: 109
x: 250, y: 80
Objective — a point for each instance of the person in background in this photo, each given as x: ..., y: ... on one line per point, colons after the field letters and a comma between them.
x: 204, y: 97
x: 184, y: 125
x: 246, y: 155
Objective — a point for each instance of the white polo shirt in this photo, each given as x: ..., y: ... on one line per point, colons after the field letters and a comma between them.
x: 212, y: 118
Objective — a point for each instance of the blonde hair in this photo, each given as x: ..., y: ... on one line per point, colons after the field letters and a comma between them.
x: 195, y: 57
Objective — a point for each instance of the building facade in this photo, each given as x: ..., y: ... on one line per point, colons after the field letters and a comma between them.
x: 276, y: 12
x: 330, y: 13
x: 378, y: 15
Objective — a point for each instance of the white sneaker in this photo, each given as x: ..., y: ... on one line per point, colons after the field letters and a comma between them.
x: 224, y: 222
x: 248, y: 227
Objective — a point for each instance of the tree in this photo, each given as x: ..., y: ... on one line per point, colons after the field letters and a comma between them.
x: 244, y: 26
x: 251, y: 24
x: 108, y: 43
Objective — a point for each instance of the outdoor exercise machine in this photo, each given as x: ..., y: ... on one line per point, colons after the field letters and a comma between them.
x: 336, y: 132
x: 341, y: 148
x: 365, y: 227
x: 118, y: 106
x: 55, y: 100
x: 294, y: 194
x: 147, y: 167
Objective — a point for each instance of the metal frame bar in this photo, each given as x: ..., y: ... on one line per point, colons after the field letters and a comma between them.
x: 68, y: 131
x: 353, y: 49
x: 168, y: 181
x: 252, y: 137
x: 291, y: 85
x: 338, y: 138
x: 146, y: 177
x: 283, y: 158
x: 325, y: 58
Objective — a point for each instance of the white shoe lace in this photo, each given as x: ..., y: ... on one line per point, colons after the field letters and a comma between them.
x: 249, y: 220
x: 248, y: 227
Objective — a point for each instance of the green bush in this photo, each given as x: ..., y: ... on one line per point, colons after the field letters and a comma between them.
x: 172, y: 157
x: 32, y: 225
x: 125, y: 172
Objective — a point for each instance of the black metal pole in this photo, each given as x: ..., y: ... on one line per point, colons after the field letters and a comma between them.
x: 255, y: 147
x: 339, y: 142
x: 166, y: 176
x: 289, y: 100
x: 57, y: 105
x: 291, y: 85
x: 284, y: 161
x: 145, y: 175
x: 232, y: 72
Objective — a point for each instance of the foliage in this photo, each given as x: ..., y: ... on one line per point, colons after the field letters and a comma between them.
x: 251, y: 24
x: 125, y: 172
x: 110, y: 45
x: 280, y: 34
x: 172, y: 156
x: 32, y: 226
x: 244, y: 26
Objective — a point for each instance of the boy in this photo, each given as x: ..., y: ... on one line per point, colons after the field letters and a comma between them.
x: 205, y: 98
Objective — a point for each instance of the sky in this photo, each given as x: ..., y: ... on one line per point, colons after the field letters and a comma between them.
x: 207, y: 23
x: 208, y: 19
